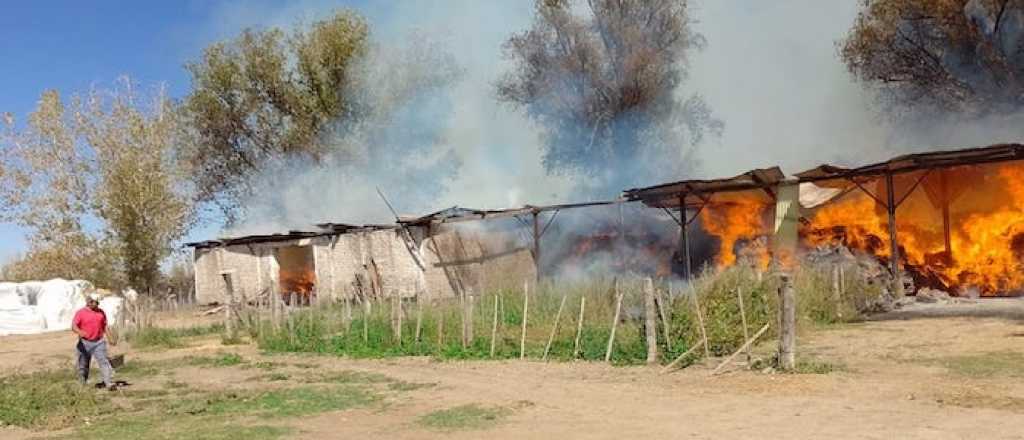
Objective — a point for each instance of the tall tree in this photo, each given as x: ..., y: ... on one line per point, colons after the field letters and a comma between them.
x: 964, y: 56
x: 268, y: 95
x: 602, y: 78
x: 97, y: 182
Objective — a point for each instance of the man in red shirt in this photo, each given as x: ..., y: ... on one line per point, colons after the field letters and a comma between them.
x: 90, y: 324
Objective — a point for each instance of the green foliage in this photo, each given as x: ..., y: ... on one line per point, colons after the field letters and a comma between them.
x: 267, y: 95
x: 50, y: 400
x: 463, y: 417
x: 107, y: 157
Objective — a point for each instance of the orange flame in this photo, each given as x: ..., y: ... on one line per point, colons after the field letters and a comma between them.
x: 739, y: 219
x: 300, y: 283
x: 986, y: 240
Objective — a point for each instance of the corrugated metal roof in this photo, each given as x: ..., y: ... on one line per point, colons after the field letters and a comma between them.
x: 252, y: 239
x: 754, y: 183
x: 919, y: 161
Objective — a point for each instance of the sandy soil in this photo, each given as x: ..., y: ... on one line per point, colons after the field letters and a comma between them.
x: 890, y: 386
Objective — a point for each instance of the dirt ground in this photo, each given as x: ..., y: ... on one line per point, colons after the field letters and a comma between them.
x: 932, y: 372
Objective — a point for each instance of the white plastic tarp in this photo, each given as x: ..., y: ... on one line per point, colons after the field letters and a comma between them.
x: 42, y: 306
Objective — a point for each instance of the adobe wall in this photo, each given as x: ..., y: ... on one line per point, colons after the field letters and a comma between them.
x: 252, y: 269
x: 454, y: 260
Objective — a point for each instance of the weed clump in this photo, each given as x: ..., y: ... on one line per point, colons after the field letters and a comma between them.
x: 150, y: 337
x: 471, y: 416
x: 50, y: 400
x: 450, y: 329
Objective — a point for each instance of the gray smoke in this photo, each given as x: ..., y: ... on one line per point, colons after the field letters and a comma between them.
x: 770, y: 72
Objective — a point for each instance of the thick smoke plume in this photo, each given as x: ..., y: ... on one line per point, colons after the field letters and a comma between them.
x: 777, y: 83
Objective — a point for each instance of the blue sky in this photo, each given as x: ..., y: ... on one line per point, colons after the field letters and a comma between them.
x: 72, y: 45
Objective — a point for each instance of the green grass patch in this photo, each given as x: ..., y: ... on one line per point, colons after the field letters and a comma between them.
x: 221, y: 360
x: 350, y: 377
x: 175, y: 385
x: 48, y: 400
x: 993, y: 364
x: 264, y: 365
x: 402, y: 385
x: 270, y: 377
x: 289, y: 402
x: 464, y: 417
x: 816, y: 367
x: 162, y: 428
x: 138, y: 369
x: 158, y: 337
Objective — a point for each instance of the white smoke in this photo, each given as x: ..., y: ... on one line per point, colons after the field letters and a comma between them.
x: 770, y: 71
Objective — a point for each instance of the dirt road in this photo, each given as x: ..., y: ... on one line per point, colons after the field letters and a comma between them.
x: 932, y: 377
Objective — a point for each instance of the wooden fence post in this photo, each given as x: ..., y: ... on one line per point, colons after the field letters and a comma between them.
x: 743, y: 316
x: 615, y: 322
x: 650, y: 322
x: 579, y: 328
x: 419, y: 318
x: 787, y: 323
x: 494, y: 325
x: 700, y: 321
x: 554, y: 330
x: 526, y: 317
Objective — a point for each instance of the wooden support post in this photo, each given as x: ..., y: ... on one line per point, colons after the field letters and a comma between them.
x: 745, y: 347
x: 579, y: 328
x: 650, y: 322
x: 615, y: 323
x: 494, y: 325
x: 554, y: 330
x: 945, y: 200
x: 787, y: 323
x: 622, y: 228
x: 684, y: 239
x: 894, y: 249
x: 700, y: 321
x: 536, y: 245
x: 526, y: 316
x: 743, y: 317
x: 680, y: 357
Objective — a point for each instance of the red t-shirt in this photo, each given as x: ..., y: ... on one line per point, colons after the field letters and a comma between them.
x: 91, y: 323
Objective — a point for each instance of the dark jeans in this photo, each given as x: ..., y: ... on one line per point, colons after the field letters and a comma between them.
x: 93, y: 349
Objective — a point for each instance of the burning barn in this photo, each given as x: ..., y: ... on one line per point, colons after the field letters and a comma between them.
x: 420, y: 257
x: 949, y: 220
